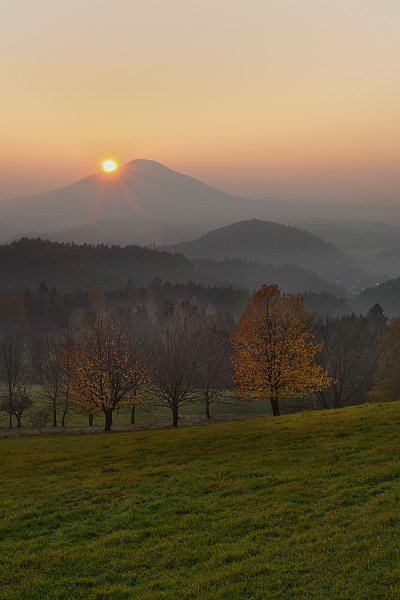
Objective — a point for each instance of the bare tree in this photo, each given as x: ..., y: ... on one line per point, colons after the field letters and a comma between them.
x: 173, y: 356
x: 350, y: 354
x: 20, y: 403
x: 66, y: 347
x: 213, y: 368
x: 48, y: 364
x: 12, y: 371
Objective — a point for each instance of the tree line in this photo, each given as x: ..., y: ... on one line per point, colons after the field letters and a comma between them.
x: 40, y: 310
x: 103, y: 360
x: 69, y: 266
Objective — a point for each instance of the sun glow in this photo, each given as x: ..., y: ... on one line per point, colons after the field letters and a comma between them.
x: 109, y: 165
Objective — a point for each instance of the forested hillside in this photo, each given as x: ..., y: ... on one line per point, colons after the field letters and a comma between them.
x: 26, y: 263
x: 387, y: 294
x: 273, y: 244
x: 252, y: 274
x: 67, y: 266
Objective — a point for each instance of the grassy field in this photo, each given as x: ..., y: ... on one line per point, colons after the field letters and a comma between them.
x: 304, y: 507
x: 149, y: 413
x: 230, y: 407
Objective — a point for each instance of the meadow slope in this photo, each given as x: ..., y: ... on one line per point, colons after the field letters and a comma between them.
x: 304, y: 506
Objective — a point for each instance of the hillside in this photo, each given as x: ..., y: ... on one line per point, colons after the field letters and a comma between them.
x: 386, y: 294
x: 273, y: 244
x: 268, y: 508
x: 26, y: 263
x: 252, y: 275
x: 122, y: 234
x: 351, y: 235
x: 145, y: 202
x: 143, y: 195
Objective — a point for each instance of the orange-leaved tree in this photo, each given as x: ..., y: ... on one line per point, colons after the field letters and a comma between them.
x: 275, y: 349
x: 106, y: 369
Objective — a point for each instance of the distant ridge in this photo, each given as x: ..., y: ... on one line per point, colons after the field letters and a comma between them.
x: 142, y: 192
x: 28, y: 262
x: 272, y: 244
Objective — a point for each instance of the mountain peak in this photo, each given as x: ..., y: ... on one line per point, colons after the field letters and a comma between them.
x: 146, y: 163
x: 141, y: 191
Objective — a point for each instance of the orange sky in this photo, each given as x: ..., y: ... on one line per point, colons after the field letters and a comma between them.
x: 258, y: 97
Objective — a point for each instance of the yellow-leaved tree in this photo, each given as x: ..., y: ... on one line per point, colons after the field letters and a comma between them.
x: 107, y: 366
x: 275, y: 349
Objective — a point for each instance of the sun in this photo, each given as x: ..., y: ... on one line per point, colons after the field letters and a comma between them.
x: 109, y: 165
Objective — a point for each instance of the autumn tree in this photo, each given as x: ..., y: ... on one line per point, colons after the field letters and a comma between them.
x: 96, y: 299
x: 104, y: 367
x: 173, y: 356
x: 387, y: 383
x: 275, y: 349
x: 212, y: 364
x: 138, y: 334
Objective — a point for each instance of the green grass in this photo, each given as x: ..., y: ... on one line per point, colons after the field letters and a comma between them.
x: 230, y: 405
x: 299, y: 507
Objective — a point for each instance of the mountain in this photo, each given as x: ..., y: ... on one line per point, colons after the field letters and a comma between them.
x: 144, y: 195
x: 274, y: 244
x: 268, y: 242
x: 145, y: 202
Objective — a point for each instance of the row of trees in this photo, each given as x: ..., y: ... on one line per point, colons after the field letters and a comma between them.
x: 34, y: 312
x: 278, y: 350
x: 108, y: 361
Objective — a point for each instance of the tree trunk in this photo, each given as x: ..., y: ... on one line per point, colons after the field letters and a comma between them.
x: 208, y: 409
x: 108, y: 420
x: 64, y: 414
x: 133, y: 414
x: 19, y: 421
x: 90, y: 420
x: 54, y: 413
x: 175, y: 416
x: 275, y: 407
x: 10, y: 421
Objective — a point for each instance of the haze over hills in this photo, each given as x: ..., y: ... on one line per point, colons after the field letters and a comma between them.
x: 143, y: 195
x: 252, y: 275
x: 145, y: 202
x: 6, y: 231
x: 29, y: 262
x: 123, y: 234
x: 352, y: 235
x: 273, y: 244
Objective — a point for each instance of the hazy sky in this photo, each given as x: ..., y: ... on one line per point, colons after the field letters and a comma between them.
x: 259, y: 97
